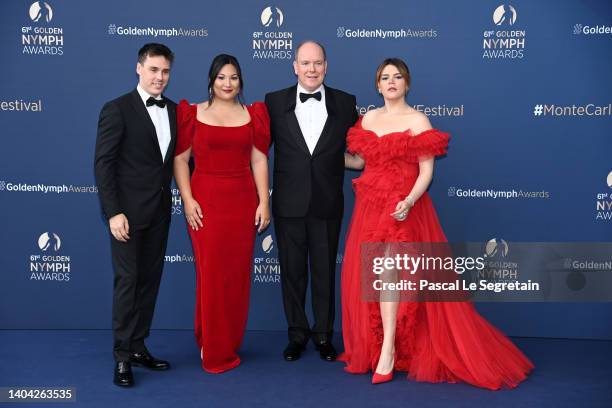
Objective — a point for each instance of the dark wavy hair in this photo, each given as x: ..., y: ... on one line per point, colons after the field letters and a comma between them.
x: 219, y: 62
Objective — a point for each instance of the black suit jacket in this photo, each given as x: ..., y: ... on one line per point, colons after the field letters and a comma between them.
x: 307, y: 183
x: 131, y: 176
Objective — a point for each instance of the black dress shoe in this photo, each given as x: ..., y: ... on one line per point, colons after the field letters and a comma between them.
x: 144, y: 359
x: 123, y: 374
x: 293, y: 351
x: 327, y: 351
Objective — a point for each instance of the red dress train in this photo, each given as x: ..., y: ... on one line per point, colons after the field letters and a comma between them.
x: 222, y: 183
x: 435, y: 341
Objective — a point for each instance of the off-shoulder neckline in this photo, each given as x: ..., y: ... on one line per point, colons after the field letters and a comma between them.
x: 407, y: 131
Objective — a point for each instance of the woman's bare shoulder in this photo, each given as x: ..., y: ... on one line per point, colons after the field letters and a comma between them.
x: 416, y: 121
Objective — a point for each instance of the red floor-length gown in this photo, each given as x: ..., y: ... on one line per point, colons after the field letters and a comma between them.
x: 222, y: 183
x: 435, y: 341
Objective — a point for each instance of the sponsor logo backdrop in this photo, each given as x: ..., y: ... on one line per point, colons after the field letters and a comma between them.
x: 523, y: 88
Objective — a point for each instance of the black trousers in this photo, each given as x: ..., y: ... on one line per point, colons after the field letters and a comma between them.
x: 303, y: 242
x: 138, y: 265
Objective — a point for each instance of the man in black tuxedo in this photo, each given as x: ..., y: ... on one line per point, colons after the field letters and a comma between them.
x: 309, y: 122
x: 133, y: 166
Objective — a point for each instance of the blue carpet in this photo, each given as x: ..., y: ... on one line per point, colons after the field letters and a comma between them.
x: 569, y: 373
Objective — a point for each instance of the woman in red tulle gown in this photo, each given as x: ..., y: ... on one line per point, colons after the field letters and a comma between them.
x: 431, y: 341
x: 225, y: 202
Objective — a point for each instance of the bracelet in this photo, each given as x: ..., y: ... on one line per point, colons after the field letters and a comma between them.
x: 409, y: 200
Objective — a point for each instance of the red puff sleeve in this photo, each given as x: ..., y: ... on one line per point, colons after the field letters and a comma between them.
x: 354, y: 138
x: 427, y: 144
x: 261, y: 126
x: 359, y: 141
x: 185, y: 123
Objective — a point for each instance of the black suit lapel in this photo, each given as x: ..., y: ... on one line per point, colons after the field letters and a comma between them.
x: 328, y: 128
x: 172, y: 118
x: 292, y: 122
x: 145, y: 117
x: 142, y: 112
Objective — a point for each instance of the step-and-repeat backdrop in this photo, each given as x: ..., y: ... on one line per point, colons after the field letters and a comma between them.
x: 524, y: 88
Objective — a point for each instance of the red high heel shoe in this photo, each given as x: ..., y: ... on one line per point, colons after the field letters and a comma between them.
x: 383, y: 378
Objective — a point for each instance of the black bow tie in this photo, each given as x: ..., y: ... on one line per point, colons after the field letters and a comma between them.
x: 304, y: 96
x: 159, y: 102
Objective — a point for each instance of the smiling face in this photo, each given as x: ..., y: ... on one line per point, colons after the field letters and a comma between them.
x: 154, y: 73
x: 310, y: 66
x: 227, y: 83
x: 392, y: 84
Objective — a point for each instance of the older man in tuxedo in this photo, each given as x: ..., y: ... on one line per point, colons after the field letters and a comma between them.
x: 309, y: 122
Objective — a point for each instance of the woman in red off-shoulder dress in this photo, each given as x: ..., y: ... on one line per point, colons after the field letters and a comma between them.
x: 225, y: 202
x: 431, y: 341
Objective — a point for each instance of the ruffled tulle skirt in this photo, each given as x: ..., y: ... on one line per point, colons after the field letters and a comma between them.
x: 435, y: 341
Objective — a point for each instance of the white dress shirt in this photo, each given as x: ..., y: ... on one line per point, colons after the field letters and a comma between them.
x: 160, y: 119
x: 311, y: 116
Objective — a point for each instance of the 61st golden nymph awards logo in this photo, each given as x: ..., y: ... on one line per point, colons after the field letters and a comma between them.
x: 49, y: 264
x: 271, y: 42
x: 498, y: 266
x: 266, y: 269
x: 603, y: 204
x: 505, y: 40
x: 41, y: 38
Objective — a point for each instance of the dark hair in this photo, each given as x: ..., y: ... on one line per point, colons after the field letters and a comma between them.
x: 397, y: 63
x: 297, y: 50
x: 216, y: 65
x: 155, y: 50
